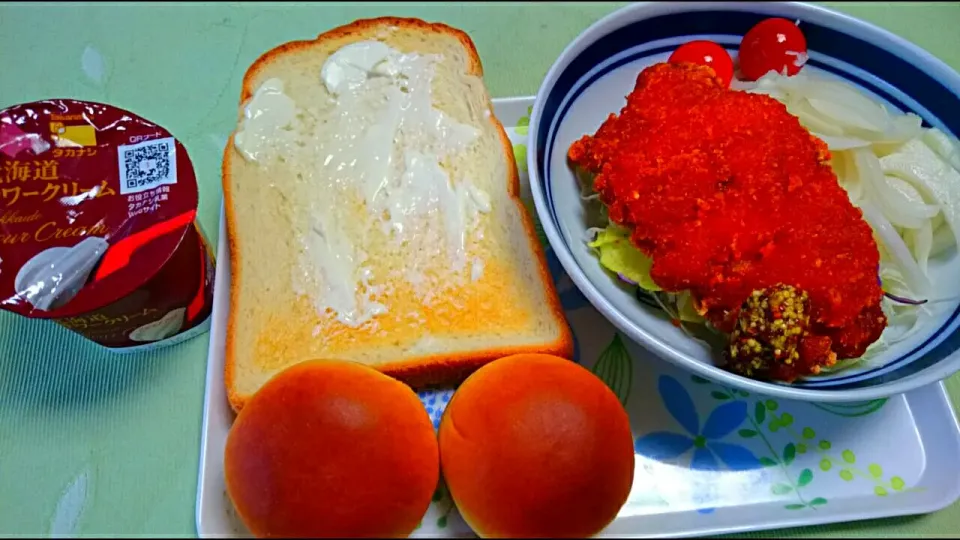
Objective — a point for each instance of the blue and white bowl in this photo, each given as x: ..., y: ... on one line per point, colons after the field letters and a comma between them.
x: 591, y: 79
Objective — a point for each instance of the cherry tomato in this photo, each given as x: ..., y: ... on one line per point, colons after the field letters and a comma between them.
x: 772, y: 45
x: 706, y: 53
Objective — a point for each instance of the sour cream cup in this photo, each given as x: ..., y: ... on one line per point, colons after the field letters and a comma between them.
x: 98, y: 229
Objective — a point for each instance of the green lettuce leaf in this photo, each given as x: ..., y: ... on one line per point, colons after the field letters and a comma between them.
x: 618, y: 255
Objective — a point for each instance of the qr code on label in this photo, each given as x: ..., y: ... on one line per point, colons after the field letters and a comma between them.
x: 146, y: 165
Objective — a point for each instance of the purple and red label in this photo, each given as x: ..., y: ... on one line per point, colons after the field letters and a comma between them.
x: 97, y: 223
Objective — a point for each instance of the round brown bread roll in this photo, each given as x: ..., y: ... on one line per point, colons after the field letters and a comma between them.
x: 332, y: 449
x: 536, y: 446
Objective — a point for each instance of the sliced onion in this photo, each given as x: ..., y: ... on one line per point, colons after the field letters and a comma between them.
x: 903, y: 319
x: 895, y: 206
x: 922, y: 242
x: 847, y: 175
x: 931, y: 175
x: 944, y: 146
x: 837, y: 108
x: 910, y: 193
x: 913, y: 275
x: 846, y: 113
x: 775, y: 93
x: 899, y: 129
x: 812, y: 120
x: 905, y: 127
x: 943, y: 239
x: 799, y: 58
x: 839, y: 143
x: 772, y: 79
x: 844, y: 104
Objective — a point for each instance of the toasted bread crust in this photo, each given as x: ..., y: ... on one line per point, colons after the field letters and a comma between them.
x: 417, y: 372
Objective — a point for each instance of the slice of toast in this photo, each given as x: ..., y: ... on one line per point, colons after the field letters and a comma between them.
x: 427, y: 271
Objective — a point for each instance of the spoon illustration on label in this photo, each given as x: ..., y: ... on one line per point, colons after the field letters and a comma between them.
x: 161, y: 328
x: 54, y: 276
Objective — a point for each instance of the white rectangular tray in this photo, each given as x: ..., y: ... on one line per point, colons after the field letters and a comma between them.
x: 710, y: 460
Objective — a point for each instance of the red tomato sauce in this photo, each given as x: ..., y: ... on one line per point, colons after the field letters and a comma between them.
x: 729, y: 194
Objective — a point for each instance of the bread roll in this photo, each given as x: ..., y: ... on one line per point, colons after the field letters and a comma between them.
x: 532, y: 446
x: 332, y: 449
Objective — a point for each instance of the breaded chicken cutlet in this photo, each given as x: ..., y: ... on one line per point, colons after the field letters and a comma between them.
x: 735, y: 201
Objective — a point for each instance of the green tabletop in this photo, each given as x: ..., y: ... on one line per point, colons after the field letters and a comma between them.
x: 98, y: 444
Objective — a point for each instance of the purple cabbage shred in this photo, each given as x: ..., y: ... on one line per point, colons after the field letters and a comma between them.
x: 902, y: 300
